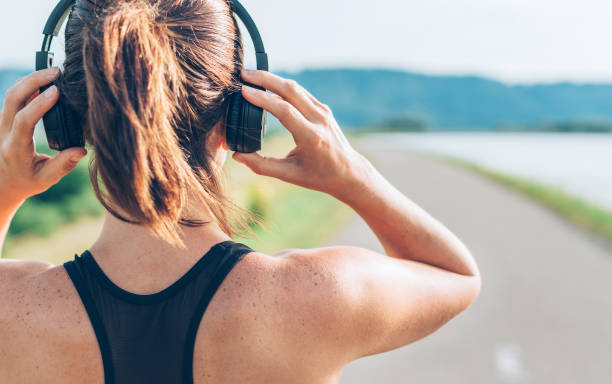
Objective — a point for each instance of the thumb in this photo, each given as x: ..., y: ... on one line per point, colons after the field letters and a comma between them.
x: 62, y: 164
x: 261, y: 165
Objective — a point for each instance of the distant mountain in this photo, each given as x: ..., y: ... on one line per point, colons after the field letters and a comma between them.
x: 361, y: 97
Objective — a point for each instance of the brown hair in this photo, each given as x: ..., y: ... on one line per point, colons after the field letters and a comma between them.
x: 149, y: 79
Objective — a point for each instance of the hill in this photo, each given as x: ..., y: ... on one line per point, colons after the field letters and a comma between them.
x: 361, y: 97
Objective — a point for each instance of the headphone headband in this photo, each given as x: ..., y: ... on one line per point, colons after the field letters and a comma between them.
x: 260, y: 51
x: 62, y: 10
x: 245, y: 123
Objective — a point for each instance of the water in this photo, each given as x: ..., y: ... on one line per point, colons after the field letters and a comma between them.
x: 580, y: 164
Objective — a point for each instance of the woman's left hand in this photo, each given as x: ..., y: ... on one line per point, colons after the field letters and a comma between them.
x: 23, y: 172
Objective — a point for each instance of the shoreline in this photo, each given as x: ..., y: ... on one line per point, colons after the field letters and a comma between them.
x: 585, y: 215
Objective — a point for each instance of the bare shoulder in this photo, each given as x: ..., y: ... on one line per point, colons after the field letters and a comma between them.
x: 12, y: 270
x: 318, y: 298
x: 326, y: 276
x: 15, y: 284
x: 37, y: 291
x: 291, y: 306
x: 356, y: 302
x: 41, y: 322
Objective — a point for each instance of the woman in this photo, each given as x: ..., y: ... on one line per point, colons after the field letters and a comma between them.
x: 149, y: 81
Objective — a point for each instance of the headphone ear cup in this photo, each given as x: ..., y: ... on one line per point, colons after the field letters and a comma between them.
x: 62, y: 127
x: 233, y: 124
x: 73, y: 128
x: 255, y: 128
x: 246, y: 125
x: 51, y: 123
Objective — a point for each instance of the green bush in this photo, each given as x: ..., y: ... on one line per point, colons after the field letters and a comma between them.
x: 72, y: 185
x: 36, y: 219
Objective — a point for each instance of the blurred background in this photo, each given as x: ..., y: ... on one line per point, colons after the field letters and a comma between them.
x: 495, y: 115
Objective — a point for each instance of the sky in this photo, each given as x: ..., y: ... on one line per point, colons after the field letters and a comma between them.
x: 516, y: 41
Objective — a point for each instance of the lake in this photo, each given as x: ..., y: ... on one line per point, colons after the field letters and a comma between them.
x: 580, y: 164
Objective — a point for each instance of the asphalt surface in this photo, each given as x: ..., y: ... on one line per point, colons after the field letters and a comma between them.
x: 545, y: 311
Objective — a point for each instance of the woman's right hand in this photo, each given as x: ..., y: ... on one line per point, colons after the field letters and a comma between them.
x: 323, y: 159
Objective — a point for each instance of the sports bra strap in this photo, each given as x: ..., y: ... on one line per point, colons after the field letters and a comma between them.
x: 151, y: 338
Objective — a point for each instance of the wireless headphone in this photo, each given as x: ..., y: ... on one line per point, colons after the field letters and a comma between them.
x: 245, y: 125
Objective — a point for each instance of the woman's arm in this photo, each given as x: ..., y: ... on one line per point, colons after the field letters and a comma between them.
x: 405, y: 230
x: 23, y: 172
x: 324, y: 160
x: 370, y: 302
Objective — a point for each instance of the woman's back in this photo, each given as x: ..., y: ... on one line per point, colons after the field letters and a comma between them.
x: 296, y: 317
x: 260, y: 327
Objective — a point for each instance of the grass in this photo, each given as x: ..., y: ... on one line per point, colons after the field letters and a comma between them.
x: 59, y: 247
x: 585, y: 215
x: 300, y: 218
x: 293, y: 217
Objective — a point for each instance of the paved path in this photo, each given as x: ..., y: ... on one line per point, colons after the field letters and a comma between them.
x: 545, y: 311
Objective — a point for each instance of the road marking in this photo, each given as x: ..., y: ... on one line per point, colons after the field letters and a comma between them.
x: 508, y: 363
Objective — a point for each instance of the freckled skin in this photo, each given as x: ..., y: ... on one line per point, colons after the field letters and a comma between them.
x: 59, y: 341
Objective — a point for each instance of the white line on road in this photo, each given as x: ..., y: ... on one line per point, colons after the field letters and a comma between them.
x: 508, y: 363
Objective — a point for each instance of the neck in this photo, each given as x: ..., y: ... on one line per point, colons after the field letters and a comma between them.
x: 130, y: 243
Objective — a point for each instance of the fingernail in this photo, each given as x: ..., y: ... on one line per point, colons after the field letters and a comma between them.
x: 53, y: 71
x: 77, y: 157
x: 51, y: 91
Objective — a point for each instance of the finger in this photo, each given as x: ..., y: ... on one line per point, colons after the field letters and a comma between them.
x: 26, y: 119
x: 286, y: 113
x: 17, y: 96
x: 324, y: 107
x: 59, y: 166
x: 262, y: 165
x: 287, y: 89
x: 34, y: 95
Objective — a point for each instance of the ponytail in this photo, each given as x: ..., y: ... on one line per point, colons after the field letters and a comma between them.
x: 133, y: 83
x: 149, y: 81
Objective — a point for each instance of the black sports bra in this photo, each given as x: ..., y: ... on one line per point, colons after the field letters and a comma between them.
x: 151, y: 338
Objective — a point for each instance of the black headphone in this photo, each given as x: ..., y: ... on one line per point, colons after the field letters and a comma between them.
x: 245, y: 125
